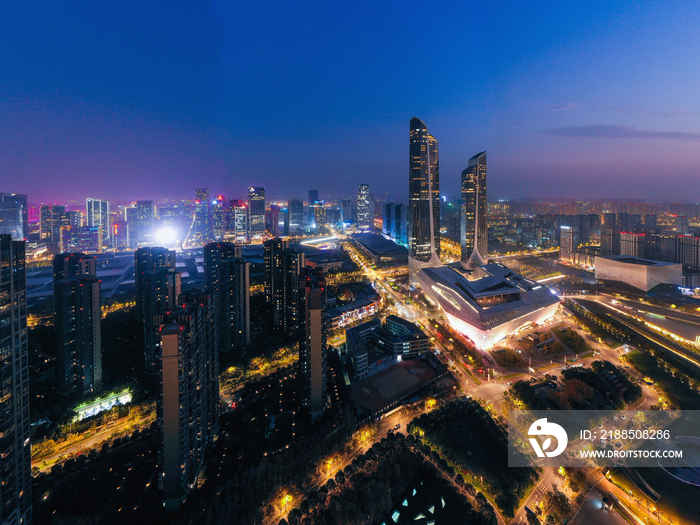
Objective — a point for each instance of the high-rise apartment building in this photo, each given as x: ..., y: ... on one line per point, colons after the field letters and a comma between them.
x: 423, y: 200
x: 188, y: 395
x: 77, y: 321
x: 147, y: 259
x: 312, y: 344
x: 283, y: 267
x: 202, y: 213
x: 364, y: 221
x: 159, y: 290
x: 15, y: 449
x: 14, y: 214
x: 97, y: 216
x: 228, y: 278
x: 256, y: 211
x: 474, y: 209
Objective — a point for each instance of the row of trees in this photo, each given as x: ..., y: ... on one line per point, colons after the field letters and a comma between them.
x: 466, y: 433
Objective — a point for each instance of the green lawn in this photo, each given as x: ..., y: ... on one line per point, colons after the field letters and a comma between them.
x: 677, y: 392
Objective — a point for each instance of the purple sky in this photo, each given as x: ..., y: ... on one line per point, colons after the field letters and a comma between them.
x: 151, y: 102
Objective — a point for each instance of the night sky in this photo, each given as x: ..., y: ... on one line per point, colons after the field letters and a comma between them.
x: 153, y: 100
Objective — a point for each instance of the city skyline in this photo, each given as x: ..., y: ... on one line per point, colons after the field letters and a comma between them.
x: 168, y: 110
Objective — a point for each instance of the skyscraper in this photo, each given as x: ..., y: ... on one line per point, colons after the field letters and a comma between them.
x: 423, y: 200
x: 283, y: 268
x: 97, y: 216
x: 145, y: 216
x: 312, y: 344
x: 347, y: 207
x: 228, y: 278
x: 188, y: 395
x: 313, y: 196
x: 147, y: 259
x: 202, y: 213
x: 474, y: 210
x: 318, y: 212
x: 51, y: 219
x: 77, y: 318
x: 364, y: 220
x: 296, y: 216
x: 238, y: 219
x: 256, y: 210
x: 14, y: 215
x: 219, y: 212
x: 15, y: 449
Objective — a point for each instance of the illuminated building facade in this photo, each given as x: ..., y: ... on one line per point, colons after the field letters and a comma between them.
x: 488, y: 302
x: 202, y: 213
x: 97, y: 216
x: 423, y: 201
x: 145, y: 216
x: 159, y: 290
x: 238, y: 219
x: 474, y: 221
x: 14, y: 215
x: 364, y: 219
x: 15, y: 449
x: 256, y: 211
x: 147, y: 259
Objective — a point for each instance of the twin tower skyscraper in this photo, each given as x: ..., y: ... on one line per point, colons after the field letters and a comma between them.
x: 424, y: 205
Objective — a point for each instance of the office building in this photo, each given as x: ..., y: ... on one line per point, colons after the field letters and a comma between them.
x: 347, y: 207
x: 395, y: 223
x: 238, y: 219
x: 159, y: 290
x: 474, y: 210
x: 97, y: 216
x: 272, y: 220
x: 296, y: 216
x: 219, y: 217
x: 51, y: 220
x: 318, y: 212
x: 188, y: 395
x: 364, y: 221
x: 423, y: 201
x: 312, y: 344
x: 228, y: 278
x: 147, y: 259
x: 256, y: 211
x: 202, y: 213
x: 15, y: 449
x: 14, y: 214
x: 313, y: 196
x: 145, y: 217
x: 77, y: 321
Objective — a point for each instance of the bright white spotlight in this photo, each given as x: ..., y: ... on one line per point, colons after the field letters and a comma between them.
x: 166, y: 237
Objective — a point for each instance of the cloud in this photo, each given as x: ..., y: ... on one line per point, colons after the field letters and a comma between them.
x: 627, y: 110
x: 565, y: 107
x: 598, y: 131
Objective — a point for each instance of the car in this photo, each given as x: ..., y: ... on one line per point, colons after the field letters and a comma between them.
x: 623, y: 417
x: 615, y: 418
x: 618, y: 444
x: 509, y: 383
x: 600, y: 426
x: 398, y: 426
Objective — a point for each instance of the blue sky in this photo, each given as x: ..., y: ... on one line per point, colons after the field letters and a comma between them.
x: 153, y: 100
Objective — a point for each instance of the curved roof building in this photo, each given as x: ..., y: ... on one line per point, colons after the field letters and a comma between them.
x: 488, y: 302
